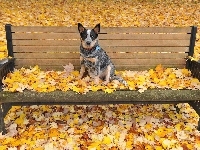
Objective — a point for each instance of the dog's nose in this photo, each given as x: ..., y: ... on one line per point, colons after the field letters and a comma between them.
x: 88, y: 42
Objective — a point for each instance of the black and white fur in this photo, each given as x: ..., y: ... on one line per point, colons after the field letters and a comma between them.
x: 94, y: 58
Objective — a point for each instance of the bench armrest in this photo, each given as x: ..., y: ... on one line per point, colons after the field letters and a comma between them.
x: 194, y: 67
x: 6, y: 66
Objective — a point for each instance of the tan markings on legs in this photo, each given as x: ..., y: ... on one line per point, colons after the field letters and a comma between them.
x: 82, y: 70
x: 107, y: 75
x: 81, y: 58
x: 96, y: 80
x: 91, y: 59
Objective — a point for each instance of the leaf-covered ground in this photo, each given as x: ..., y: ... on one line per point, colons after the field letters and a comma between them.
x: 114, y: 127
x: 110, y: 127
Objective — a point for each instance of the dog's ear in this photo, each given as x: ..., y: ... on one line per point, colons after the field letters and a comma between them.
x: 97, y: 28
x: 80, y: 28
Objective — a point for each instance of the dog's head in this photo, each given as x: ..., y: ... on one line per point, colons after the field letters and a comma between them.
x: 89, y: 38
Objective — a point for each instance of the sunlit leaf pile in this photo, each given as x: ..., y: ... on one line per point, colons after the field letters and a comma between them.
x: 46, y: 81
x: 111, y: 127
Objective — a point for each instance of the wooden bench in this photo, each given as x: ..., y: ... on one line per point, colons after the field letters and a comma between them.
x: 130, y: 48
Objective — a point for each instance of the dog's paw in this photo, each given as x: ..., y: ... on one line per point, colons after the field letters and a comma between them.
x: 79, y: 77
x: 105, y: 82
x: 96, y: 80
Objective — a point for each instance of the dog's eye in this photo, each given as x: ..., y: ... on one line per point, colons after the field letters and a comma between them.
x: 84, y: 36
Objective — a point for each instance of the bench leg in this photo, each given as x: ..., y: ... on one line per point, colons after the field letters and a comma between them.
x: 196, y: 106
x: 4, y: 108
x: 2, y: 125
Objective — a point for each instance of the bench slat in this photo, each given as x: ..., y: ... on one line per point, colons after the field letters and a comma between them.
x: 130, y: 62
x: 118, y: 67
x: 146, y: 30
x: 104, y: 42
x: 50, y: 55
x: 21, y: 36
x: 54, y: 29
x: 106, y: 48
x: 62, y: 29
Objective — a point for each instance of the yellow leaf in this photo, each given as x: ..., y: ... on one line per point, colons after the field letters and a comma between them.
x: 186, y: 72
x: 172, y: 76
x: 167, y: 144
x: 109, y: 90
x: 161, y: 132
x: 106, y: 140
x: 148, y: 126
x: 75, y: 73
x: 76, y: 89
x: 19, y: 121
x: 3, y: 147
x: 53, y: 132
x: 162, y: 83
x: 129, y: 144
x: 95, y: 145
x: 131, y: 85
x: 158, y: 148
x: 117, y: 135
x: 149, y: 147
x: 95, y: 88
x: 159, y: 68
x: 39, y: 148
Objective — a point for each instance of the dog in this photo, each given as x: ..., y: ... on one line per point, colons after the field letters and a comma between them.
x: 94, y: 59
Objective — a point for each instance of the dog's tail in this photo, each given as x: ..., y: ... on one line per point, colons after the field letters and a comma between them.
x: 120, y: 79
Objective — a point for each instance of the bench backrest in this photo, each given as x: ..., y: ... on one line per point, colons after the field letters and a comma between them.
x: 135, y: 48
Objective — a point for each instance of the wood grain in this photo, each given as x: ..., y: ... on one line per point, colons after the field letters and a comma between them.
x: 64, y: 29
x: 128, y: 62
x: 17, y: 49
x: 103, y: 42
x: 23, y: 36
x: 118, y: 67
x: 63, y: 55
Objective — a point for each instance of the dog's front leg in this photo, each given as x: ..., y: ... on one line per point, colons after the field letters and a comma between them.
x: 107, y: 75
x: 97, y: 72
x: 96, y: 78
x: 82, y: 70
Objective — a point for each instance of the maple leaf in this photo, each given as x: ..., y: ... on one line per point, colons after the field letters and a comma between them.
x: 106, y: 140
x: 49, y: 146
x: 131, y: 85
x: 12, y: 129
x: 68, y: 69
x: 21, y: 87
x: 107, y: 90
x: 161, y: 132
x: 186, y: 72
x: 3, y: 147
x: 159, y: 69
x: 95, y: 88
x: 53, y: 132
x: 168, y: 143
x: 142, y: 89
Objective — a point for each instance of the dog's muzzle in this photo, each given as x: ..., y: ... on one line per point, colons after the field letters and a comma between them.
x: 88, y: 43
